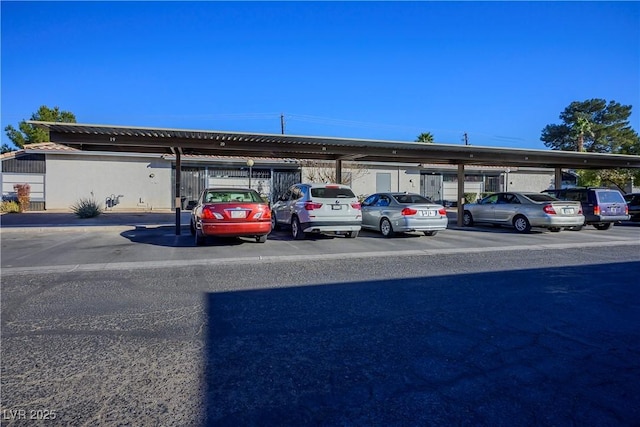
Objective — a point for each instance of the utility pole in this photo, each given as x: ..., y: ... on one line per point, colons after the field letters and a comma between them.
x: 466, y: 139
x: 282, y: 123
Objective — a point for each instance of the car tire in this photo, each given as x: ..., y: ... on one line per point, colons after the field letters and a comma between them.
x: 352, y: 234
x: 605, y: 226
x: 296, y: 229
x: 274, y: 222
x: 521, y: 224
x: 192, y: 228
x: 467, y: 219
x: 199, y: 238
x: 555, y: 229
x: 261, y: 239
x: 386, y: 228
x: 430, y: 233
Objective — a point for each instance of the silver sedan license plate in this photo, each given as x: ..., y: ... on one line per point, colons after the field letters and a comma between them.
x: 336, y: 207
x: 428, y: 213
x: 568, y: 211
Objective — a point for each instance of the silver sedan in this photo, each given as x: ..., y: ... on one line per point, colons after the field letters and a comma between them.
x: 402, y: 212
x: 523, y: 211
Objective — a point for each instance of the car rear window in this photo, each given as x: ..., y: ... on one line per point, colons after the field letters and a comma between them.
x: 610, y: 197
x: 332, y: 192
x: 410, y: 199
x: 540, y: 197
x: 247, y: 196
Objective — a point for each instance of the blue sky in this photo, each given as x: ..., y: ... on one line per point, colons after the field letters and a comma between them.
x: 499, y: 71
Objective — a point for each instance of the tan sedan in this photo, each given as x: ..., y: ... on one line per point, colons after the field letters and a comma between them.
x: 523, y: 211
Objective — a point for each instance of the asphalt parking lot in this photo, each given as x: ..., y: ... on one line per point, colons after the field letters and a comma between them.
x: 133, y: 325
x: 62, y: 243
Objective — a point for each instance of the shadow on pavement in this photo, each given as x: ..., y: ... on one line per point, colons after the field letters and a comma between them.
x: 556, y: 346
x: 159, y: 236
x: 165, y: 236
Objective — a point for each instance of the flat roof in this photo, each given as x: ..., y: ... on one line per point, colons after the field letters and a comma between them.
x: 95, y: 137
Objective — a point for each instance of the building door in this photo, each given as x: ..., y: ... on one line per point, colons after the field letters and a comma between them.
x: 492, y: 184
x: 191, y: 185
x: 431, y: 187
x: 383, y: 182
x: 281, y: 181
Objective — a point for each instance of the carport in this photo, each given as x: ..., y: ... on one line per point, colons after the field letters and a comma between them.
x: 90, y: 137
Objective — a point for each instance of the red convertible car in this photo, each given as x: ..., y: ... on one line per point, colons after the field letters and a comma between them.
x: 230, y: 212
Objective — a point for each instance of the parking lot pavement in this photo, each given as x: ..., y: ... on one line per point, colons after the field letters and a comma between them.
x: 484, y: 339
x: 549, y: 346
x: 138, y: 243
x: 123, y: 322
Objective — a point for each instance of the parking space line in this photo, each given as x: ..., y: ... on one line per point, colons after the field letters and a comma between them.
x: 304, y: 257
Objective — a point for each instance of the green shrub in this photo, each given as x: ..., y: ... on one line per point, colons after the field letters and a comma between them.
x: 10, y: 206
x: 470, y: 197
x: 87, y: 208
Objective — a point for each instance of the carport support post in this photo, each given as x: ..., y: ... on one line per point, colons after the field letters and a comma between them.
x: 557, y: 184
x: 178, y: 185
x: 460, y: 193
x: 338, y: 171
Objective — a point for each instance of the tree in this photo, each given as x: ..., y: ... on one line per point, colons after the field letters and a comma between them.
x: 426, y: 137
x: 324, y: 172
x: 581, y: 127
x: 620, y: 178
x: 29, y: 134
x: 596, y: 126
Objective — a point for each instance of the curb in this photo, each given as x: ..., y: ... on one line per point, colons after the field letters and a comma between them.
x: 84, y: 228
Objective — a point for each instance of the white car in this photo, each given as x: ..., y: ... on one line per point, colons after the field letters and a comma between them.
x: 318, y: 208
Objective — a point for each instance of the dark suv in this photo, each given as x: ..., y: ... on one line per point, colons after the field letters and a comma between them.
x: 601, y: 206
x: 633, y: 202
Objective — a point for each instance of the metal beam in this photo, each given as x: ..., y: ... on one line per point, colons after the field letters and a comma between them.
x: 178, y: 153
x: 557, y: 181
x: 461, y: 200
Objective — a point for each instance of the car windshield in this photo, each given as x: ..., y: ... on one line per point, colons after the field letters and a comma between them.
x: 540, y: 197
x: 332, y: 192
x: 226, y: 196
x: 407, y: 199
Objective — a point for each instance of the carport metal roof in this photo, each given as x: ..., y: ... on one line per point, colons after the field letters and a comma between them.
x: 243, y: 144
x: 91, y: 137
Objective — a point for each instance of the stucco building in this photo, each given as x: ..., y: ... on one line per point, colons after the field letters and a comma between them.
x: 60, y: 176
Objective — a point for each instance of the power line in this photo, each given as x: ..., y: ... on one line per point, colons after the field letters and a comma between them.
x: 328, y: 121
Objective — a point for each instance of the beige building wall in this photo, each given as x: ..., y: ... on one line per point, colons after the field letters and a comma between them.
x: 134, y: 182
x: 529, y: 181
x: 364, y: 177
x: 399, y: 178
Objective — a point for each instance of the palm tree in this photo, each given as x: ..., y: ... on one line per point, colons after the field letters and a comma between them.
x: 426, y: 137
x: 582, y: 127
